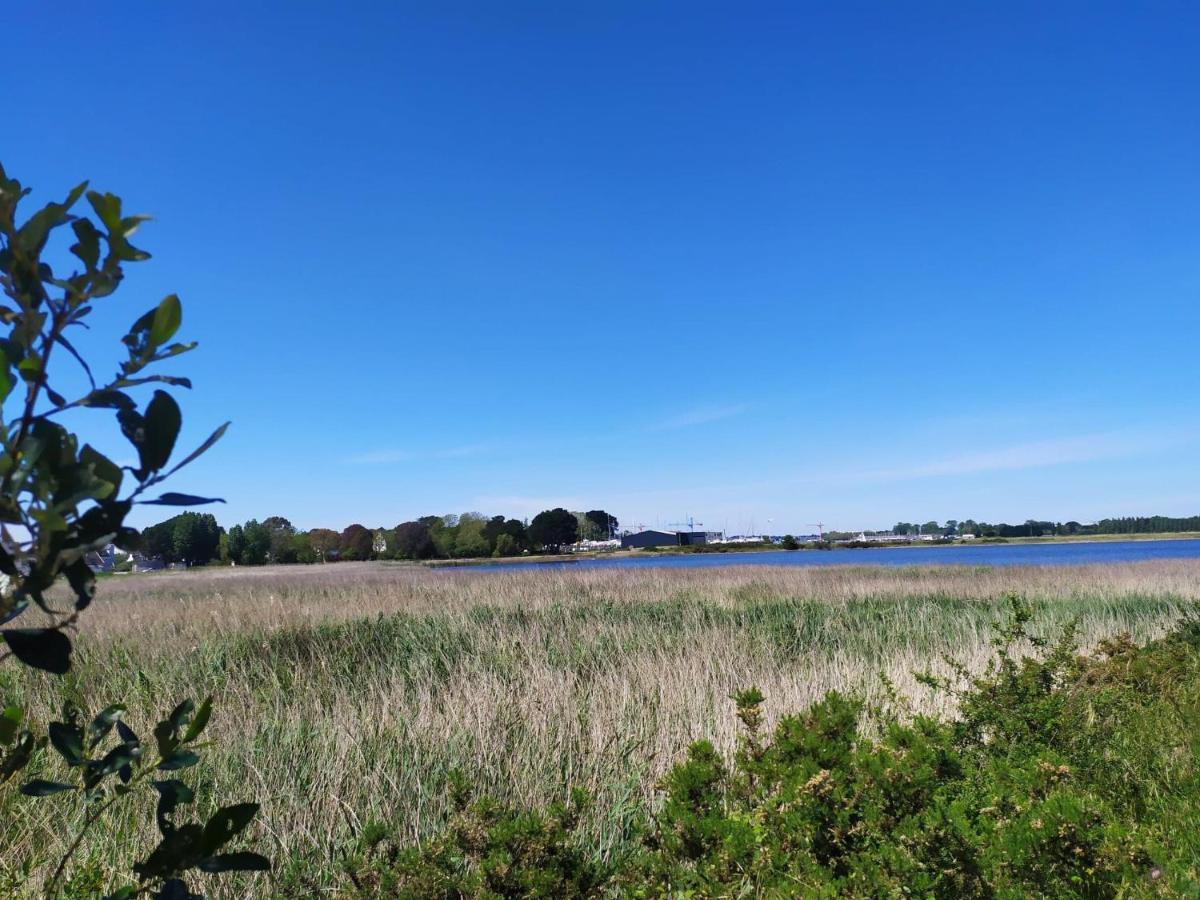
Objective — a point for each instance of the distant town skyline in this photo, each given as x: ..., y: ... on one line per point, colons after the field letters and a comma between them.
x: 791, y: 263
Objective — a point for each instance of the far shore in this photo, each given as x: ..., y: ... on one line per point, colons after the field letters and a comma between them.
x: 551, y: 558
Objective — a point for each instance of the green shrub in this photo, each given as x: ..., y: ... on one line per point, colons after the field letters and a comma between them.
x: 486, y: 851
x: 1062, y: 776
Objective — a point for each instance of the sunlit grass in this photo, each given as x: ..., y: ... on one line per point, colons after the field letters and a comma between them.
x: 347, y: 694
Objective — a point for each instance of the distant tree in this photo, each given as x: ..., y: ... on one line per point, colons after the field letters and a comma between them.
x: 931, y: 528
x: 553, y: 528
x: 469, y: 538
x: 951, y: 526
x: 256, y: 548
x: 235, y: 544
x: 506, y: 545
x: 381, y: 542
x: 904, y: 528
x: 159, y: 540
x: 584, y: 530
x: 195, y: 538
x: 471, y: 545
x: 789, y: 542
x: 604, y: 523
x: 516, y: 529
x: 302, y: 548
x: 442, y: 530
x: 493, y: 529
x: 413, y: 541
x: 282, y: 545
x: 356, y: 543
x: 325, y: 543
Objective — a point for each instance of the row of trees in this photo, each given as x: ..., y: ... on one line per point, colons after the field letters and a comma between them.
x: 197, y: 539
x: 1042, y: 528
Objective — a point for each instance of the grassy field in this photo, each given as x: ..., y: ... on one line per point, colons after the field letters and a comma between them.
x: 347, y: 694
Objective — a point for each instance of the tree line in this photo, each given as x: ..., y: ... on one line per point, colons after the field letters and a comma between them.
x: 1041, y: 528
x: 197, y: 539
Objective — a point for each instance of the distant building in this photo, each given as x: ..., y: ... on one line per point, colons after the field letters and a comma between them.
x: 102, y: 560
x: 144, y: 563
x: 653, y: 538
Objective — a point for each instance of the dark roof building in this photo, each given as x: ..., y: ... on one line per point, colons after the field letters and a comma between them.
x: 653, y: 538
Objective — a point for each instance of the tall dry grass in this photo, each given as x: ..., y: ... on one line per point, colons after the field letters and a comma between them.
x: 347, y: 694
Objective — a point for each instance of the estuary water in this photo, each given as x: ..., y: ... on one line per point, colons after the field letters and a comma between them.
x: 1050, y: 554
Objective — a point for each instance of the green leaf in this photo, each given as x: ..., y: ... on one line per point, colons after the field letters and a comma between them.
x: 180, y: 714
x: 171, y: 498
x: 102, y: 467
x: 118, y: 758
x: 226, y: 824
x: 18, y: 757
x: 108, y: 208
x: 40, y: 788
x: 235, y: 862
x: 87, y: 247
x: 6, y: 379
x: 106, y: 399
x: 68, y: 741
x: 103, y: 723
x: 200, y: 722
x: 178, y: 759
x: 126, y: 733
x: 83, y: 582
x: 174, y: 889
x: 125, y: 893
x: 10, y: 724
x: 41, y: 648
x: 167, y: 319
x: 160, y: 427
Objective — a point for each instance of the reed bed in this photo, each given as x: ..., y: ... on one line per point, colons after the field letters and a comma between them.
x: 347, y: 694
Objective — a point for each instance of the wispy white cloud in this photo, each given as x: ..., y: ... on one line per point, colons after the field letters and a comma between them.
x: 701, y: 415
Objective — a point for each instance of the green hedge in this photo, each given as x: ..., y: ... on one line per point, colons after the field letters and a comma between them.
x: 1062, y: 776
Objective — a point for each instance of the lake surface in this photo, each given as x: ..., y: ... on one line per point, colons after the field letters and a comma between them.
x: 1064, y: 554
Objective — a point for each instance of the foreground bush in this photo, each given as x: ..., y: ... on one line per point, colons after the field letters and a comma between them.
x: 1063, y: 776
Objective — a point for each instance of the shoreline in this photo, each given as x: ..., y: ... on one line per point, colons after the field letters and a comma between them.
x: 567, y: 558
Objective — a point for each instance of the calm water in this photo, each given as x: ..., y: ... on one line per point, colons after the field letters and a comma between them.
x: 959, y: 554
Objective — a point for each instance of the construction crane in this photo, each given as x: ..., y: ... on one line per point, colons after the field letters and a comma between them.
x: 690, y: 523
x: 691, y: 527
x: 820, y: 526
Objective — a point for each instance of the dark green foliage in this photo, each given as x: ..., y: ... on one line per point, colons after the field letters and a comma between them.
x: 789, y: 542
x: 61, y: 498
x: 191, y: 538
x: 553, y: 528
x: 413, y: 541
x: 357, y: 543
x: 61, y: 494
x: 603, y: 524
x: 1064, y: 776
x: 486, y: 851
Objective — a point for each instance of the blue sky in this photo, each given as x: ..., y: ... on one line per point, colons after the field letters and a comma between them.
x: 848, y: 263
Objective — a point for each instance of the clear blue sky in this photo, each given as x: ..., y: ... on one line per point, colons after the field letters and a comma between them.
x: 847, y: 263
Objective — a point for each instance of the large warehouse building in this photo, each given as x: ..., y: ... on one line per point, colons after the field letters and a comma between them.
x: 652, y: 538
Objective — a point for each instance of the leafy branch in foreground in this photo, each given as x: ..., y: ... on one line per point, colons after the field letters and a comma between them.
x: 62, y: 499
x: 105, y: 774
